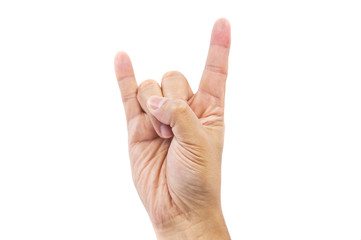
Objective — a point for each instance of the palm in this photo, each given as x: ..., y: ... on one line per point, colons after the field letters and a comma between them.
x: 156, y: 162
x: 164, y: 169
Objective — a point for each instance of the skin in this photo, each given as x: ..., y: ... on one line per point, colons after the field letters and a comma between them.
x: 175, y: 143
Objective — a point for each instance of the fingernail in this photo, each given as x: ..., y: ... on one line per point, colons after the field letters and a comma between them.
x: 155, y: 102
x: 166, y: 131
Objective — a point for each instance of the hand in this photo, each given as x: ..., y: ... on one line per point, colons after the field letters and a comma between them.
x: 176, y: 141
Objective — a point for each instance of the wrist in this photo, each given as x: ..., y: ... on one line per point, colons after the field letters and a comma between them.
x: 209, y: 225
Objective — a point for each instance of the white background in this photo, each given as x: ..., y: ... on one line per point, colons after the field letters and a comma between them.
x: 292, y: 157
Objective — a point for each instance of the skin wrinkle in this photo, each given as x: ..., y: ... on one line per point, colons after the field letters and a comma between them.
x: 215, y: 69
x: 126, y: 77
x: 144, y: 159
x: 130, y: 97
x: 221, y: 46
x: 212, y: 96
x: 192, y: 153
x: 152, y: 156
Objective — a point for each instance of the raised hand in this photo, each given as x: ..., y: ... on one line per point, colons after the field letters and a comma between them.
x: 176, y: 141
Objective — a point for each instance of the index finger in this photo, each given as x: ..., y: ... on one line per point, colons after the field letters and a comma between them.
x: 214, y: 76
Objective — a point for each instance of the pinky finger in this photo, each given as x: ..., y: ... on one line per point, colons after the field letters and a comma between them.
x: 127, y: 84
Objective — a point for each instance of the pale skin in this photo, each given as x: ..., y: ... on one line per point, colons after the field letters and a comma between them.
x: 175, y: 141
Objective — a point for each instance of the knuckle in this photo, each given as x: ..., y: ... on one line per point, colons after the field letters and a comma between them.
x: 171, y: 75
x: 216, y: 69
x: 179, y: 107
x: 147, y: 84
x: 128, y: 97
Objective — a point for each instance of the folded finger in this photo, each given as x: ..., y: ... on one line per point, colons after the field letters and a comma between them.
x: 176, y: 86
x: 147, y: 89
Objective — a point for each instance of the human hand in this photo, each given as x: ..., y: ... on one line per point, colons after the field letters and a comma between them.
x: 175, y: 143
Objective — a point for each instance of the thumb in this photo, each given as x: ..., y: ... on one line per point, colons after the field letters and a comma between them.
x: 178, y: 115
